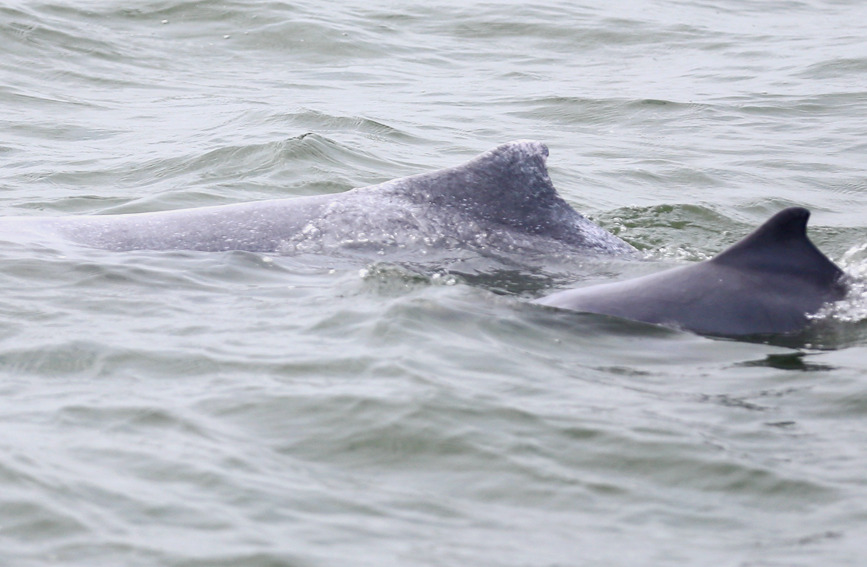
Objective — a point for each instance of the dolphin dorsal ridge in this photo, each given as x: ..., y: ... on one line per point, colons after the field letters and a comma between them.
x: 508, y: 184
x: 781, y: 245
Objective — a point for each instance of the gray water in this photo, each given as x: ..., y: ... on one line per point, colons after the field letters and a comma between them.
x: 222, y: 409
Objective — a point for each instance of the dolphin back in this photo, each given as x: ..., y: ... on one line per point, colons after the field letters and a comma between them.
x: 499, y: 202
x: 768, y: 283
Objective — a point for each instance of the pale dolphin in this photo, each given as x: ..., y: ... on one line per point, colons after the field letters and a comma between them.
x: 501, y: 200
x: 769, y: 282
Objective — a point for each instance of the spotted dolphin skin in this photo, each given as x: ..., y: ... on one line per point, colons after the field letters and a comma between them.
x: 501, y: 200
x: 769, y: 282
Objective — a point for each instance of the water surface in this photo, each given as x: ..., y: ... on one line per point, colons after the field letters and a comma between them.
x: 216, y: 409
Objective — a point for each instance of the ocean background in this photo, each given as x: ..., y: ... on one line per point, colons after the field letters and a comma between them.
x: 222, y: 409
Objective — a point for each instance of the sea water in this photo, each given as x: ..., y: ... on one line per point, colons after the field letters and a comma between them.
x: 222, y: 409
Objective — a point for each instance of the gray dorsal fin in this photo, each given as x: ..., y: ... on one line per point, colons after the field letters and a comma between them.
x: 781, y: 245
x: 508, y: 187
x: 508, y: 181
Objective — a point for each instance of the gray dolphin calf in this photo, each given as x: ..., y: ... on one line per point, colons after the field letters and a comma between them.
x: 501, y: 200
x: 769, y: 282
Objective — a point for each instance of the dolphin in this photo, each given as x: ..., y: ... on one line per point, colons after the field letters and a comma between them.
x: 503, y: 200
x: 768, y: 283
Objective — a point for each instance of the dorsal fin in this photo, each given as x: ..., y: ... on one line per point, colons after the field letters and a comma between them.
x: 781, y: 244
x: 509, y: 187
x: 508, y: 179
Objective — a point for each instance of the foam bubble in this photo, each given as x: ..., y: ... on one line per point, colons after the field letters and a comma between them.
x: 852, y: 308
